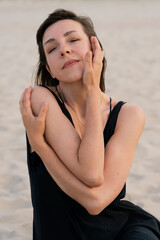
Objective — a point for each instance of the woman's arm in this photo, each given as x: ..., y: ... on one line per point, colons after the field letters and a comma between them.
x: 71, y: 185
x: 84, y: 158
x: 119, y: 153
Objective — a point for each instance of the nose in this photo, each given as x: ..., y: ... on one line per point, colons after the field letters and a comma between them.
x: 64, y: 52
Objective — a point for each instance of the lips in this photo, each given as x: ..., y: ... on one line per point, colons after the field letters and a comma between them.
x: 70, y: 63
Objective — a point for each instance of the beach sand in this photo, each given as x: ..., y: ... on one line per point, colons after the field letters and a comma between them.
x: 130, y: 34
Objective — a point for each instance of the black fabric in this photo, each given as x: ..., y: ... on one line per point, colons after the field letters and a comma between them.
x: 56, y: 216
x: 138, y: 233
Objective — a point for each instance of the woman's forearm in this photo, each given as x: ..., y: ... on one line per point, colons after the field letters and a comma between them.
x: 91, y: 149
x: 84, y: 158
x: 69, y: 184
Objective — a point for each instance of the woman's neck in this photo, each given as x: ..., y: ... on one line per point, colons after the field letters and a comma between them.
x: 74, y: 95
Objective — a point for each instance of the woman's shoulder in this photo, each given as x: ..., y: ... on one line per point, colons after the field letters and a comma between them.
x: 130, y: 114
x: 131, y: 110
x: 40, y: 95
x: 128, y: 108
x: 43, y: 89
x: 43, y: 92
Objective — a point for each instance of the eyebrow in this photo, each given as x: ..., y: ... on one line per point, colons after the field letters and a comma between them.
x: 65, y: 35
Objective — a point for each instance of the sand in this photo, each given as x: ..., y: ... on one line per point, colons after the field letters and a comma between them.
x: 129, y: 32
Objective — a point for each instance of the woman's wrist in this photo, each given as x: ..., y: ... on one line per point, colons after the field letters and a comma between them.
x: 36, y: 142
x: 92, y: 90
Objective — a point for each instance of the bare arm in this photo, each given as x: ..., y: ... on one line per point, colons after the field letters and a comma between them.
x: 84, y: 158
x: 119, y: 154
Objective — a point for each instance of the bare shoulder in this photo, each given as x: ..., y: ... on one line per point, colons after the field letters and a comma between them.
x: 131, y: 116
x: 40, y: 95
x: 130, y: 111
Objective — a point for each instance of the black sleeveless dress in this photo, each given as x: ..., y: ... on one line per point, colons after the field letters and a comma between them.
x: 56, y: 216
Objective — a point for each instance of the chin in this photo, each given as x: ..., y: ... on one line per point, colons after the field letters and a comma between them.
x: 73, y: 78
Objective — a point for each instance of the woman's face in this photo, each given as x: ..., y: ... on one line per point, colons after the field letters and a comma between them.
x: 65, y: 45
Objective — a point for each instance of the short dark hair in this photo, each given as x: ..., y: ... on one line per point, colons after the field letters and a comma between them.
x: 42, y: 75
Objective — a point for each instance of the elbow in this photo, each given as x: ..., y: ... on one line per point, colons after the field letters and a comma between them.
x: 95, y: 206
x: 95, y: 181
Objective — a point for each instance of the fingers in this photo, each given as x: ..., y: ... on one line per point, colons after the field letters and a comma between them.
x: 93, y: 64
x: 98, y: 54
x: 32, y: 123
x: 25, y: 101
x: 88, y: 60
x: 43, y: 112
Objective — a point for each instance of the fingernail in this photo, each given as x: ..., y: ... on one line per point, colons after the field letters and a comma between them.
x: 92, y: 37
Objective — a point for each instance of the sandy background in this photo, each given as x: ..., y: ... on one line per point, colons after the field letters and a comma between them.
x: 130, y: 33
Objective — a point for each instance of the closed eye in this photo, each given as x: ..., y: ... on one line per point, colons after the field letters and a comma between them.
x: 52, y: 50
x: 74, y: 40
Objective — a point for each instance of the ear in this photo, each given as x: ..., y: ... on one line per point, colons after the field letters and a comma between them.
x: 48, y: 69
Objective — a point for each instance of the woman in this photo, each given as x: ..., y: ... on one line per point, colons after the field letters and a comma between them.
x: 80, y: 142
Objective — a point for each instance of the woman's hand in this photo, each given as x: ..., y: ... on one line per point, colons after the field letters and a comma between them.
x: 34, y: 125
x: 93, y: 64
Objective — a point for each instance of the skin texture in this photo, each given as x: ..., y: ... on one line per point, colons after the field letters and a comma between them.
x: 85, y: 170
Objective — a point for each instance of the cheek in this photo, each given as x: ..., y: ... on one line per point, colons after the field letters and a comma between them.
x: 84, y: 49
x: 52, y: 63
x: 50, y: 59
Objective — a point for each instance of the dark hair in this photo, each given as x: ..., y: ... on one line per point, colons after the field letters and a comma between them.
x: 42, y: 75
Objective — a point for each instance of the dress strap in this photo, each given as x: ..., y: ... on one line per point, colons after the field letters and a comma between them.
x: 110, y: 104
x: 59, y: 95
x: 112, y: 120
x: 58, y: 100
x: 61, y: 104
